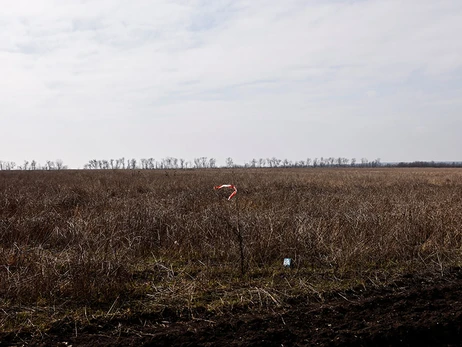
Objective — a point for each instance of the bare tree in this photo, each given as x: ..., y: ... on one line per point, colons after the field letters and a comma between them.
x: 8, y: 165
x: 212, y: 163
x: 274, y: 162
x: 167, y: 163
x: 92, y: 164
x: 229, y: 162
x: 50, y: 165
x: 121, y: 163
x: 60, y: 165
x: 376, y: 162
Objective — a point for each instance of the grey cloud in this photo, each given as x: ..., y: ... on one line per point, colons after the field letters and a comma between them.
x: 84, y: 24
x: 320, y: 77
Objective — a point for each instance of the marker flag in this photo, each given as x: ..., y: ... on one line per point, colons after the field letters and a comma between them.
x: 227, y: 186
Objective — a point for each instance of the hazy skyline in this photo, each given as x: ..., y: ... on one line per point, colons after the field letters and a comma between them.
x: 243, y: 79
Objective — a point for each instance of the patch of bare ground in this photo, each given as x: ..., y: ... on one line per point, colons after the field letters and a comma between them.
x: 413, y: 311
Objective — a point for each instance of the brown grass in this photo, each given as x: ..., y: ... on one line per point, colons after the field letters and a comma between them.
x: 114, y: 241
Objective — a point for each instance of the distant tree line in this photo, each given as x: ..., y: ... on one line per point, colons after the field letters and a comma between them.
x: 429, y: 164
x: 151, y: 163
x: 210, y: 163
x: 207, y: 163
x: 33, y: 165
x: 309, y: 162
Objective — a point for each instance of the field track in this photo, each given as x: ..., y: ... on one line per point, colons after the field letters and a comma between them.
x: 414, y: 311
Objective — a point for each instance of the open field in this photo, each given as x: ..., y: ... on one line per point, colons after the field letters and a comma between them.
x: 158, y: 257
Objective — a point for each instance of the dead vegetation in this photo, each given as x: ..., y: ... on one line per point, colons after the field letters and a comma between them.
x: 92, y: 244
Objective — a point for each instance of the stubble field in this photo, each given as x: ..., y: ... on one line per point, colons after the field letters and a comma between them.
x: 132, y: 257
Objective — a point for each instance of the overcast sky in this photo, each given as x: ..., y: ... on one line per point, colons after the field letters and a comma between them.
x: 243, y: 79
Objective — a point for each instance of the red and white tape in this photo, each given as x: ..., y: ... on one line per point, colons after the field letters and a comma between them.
x: 227, y: 186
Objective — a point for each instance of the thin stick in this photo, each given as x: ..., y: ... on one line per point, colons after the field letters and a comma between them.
x: 240, y: 238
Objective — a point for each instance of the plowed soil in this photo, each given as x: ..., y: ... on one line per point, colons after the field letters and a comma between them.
x: 414, y: 311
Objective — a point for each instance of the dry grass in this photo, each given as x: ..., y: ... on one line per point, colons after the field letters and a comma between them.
x: 112, y: 241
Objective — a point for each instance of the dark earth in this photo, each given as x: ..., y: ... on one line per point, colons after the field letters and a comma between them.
x: 416, y: 310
